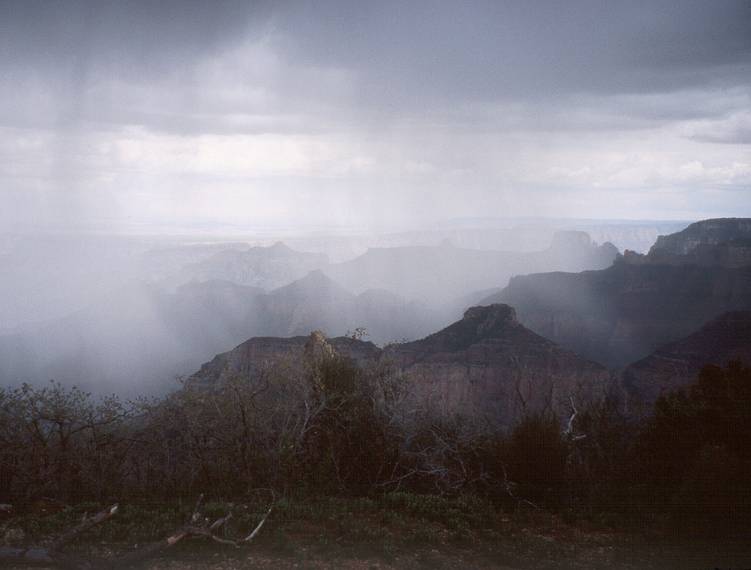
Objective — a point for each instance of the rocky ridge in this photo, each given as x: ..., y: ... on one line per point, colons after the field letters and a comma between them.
x: 487, y: 363
x: 623, y: 313
x: 677, y: 364
x: 722, y: 242
x: 441, y: 274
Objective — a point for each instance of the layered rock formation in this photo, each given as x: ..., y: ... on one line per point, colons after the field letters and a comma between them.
x: 257, y: 355
x: 441, y: 274
x: 706, y: 232
x: 486, y: 364
x: 623, y: 313
x: 723, y: 242
x: 677, y: 364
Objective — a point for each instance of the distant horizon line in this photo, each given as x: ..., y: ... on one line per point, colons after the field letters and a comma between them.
x: 271, y: 229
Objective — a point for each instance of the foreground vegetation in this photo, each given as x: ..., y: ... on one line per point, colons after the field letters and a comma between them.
x: 395, y: 530
x: 360, y: 470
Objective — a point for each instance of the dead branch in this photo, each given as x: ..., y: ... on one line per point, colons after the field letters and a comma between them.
x: 574, y: 412
x: 256, y: 530
x: 52, y: 555
x: 509, y: 487
x: 569, y: 431
x: 197, y: 527
x: 83, y: 526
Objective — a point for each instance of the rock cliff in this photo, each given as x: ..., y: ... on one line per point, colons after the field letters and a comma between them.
x: 677, y: 364
x: 488, y: 363
x: 706, y: 232
x: 258, y: 355
x: 621, y: 314
x: 485, y: 364
x: 722, y: 242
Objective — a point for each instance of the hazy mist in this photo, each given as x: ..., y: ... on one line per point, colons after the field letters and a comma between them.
x: 177, y: 177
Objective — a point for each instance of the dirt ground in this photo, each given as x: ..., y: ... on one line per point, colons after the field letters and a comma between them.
x: 548, y: 555
x: 605, y: 552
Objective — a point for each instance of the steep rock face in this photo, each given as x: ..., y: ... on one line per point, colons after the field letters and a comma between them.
x: 488, y: 363
x: 724, y: 242
x: 635, y: 236
x: 707, y: 232
x: 623, y: 313
x: 676, y: 365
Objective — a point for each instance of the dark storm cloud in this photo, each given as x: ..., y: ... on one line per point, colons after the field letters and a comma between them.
x: 135, y: 36
x: 373, y: 108
x: 55, y: 53
x: 400, y: 58
x: 491, y: 50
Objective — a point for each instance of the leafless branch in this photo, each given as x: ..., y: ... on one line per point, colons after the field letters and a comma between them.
x: 53, y: 555
x: 83, y: 526
x: 196, y: 527
x: 509, y: 487
x: 194, y: 530
x: 569, y: 431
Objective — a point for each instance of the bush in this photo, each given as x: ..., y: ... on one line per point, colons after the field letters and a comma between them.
x: 695, y: 453
x: 537, y: 453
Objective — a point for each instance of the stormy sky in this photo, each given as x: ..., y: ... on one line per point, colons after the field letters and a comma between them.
x: 371, y: 113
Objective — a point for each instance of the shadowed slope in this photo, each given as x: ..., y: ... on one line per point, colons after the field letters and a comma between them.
x: 677, y: 365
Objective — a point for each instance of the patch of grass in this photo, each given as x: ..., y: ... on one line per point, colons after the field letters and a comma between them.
x: 429, y: 531
x: 463, y: 511
x: 378, y: 523
x: 135, y: 522
x: 427, y: 534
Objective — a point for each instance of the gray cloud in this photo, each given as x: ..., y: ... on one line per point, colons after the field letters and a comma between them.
x: 731, y: 129
x: 491, y: 50
x: 108, y: 105
x: 398, y: 57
